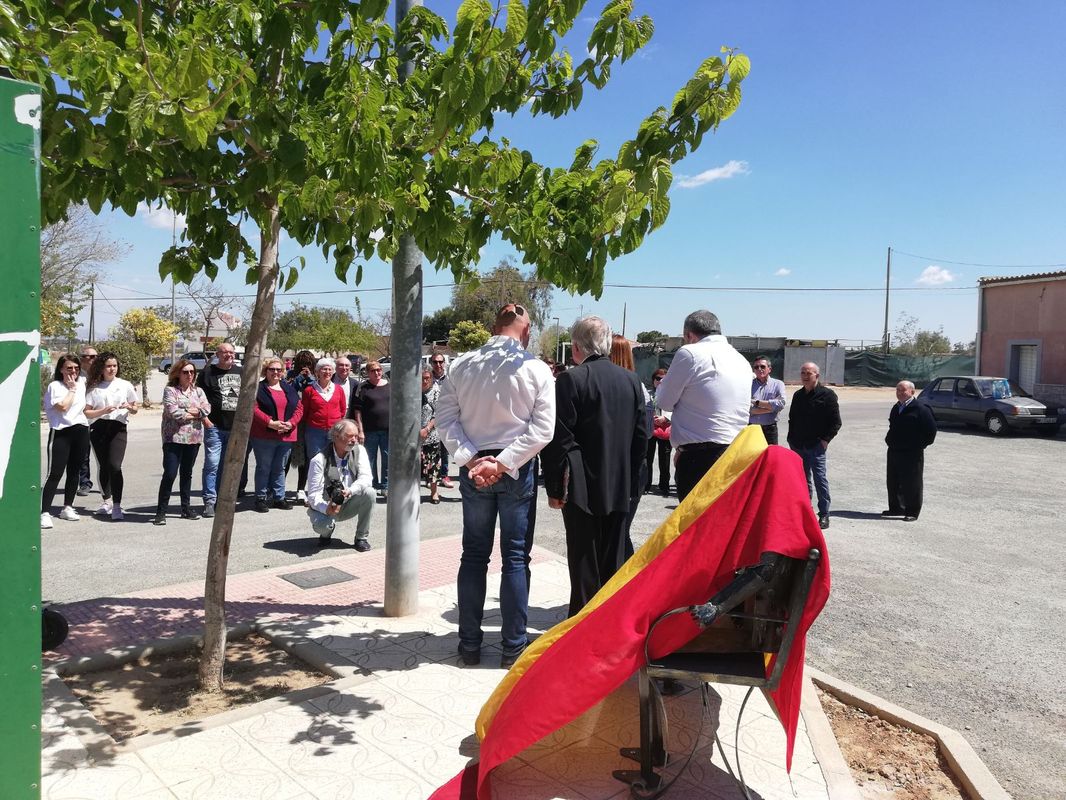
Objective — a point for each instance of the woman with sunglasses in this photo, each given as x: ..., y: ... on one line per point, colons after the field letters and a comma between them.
x: 277, y: 415
x: 109, y: 402
x: 185, y: 407
x: 68, y: 437
x: 324, y: 403
x: 660, y: 440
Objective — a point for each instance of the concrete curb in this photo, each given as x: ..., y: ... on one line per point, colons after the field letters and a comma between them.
x: 964, y: 762
x: 839, y: 781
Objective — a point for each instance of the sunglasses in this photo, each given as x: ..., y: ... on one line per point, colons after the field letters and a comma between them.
x: 89, y: 356
x: 373, y: 370
x: 657, y: 378
x: 511, y: 308
x: 190, y: 371
x: 438, y: 362
x: 762, y: 366
x: 275, y: 369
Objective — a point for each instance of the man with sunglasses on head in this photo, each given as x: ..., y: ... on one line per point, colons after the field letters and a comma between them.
x: 437, y: 363
x: 767, y: 399
x: 496, y: 411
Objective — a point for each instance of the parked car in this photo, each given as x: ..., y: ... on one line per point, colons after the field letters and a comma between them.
x: 995, y: 404
x: 199, y: 360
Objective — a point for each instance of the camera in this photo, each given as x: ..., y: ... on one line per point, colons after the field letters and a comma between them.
x: 335, y: 493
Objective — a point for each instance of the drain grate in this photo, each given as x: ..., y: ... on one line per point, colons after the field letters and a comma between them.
x: 313, y: 578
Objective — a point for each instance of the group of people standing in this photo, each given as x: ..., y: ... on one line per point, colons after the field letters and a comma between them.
x: 295, y: 419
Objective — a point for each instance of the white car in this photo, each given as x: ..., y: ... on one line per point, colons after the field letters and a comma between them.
x: 199, y: 360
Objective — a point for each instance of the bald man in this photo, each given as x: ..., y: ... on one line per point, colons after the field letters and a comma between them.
x: 911, y: 429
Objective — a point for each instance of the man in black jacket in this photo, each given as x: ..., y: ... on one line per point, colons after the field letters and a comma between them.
x: 813, y: 421
x: 911, y: 429
x: 592, y: 465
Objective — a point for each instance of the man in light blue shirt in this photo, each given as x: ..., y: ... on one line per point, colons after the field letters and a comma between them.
x: 767, y: 399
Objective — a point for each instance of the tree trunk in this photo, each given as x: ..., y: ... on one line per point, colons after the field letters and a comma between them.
x: 212, y: 659
x: 145, y: 400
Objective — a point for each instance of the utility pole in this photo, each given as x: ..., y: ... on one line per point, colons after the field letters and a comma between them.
x: 405, y: 409
x: 173, y: 287
x: 73, y: 329
x: 558, y: 340
x: 92, y: 311
x: 624, y: 307
x: 888, y: 278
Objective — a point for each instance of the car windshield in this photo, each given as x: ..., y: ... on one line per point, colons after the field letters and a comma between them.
x: 1001, y: 389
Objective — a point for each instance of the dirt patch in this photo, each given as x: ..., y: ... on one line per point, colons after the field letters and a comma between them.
x: 162, y: 691
x: 889, y: 762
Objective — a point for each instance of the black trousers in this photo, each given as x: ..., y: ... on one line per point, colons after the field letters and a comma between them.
x: 770, y: 432
x: 67, y: 449
x: 178, y: 460
x: 662, y: 446
x: 595, y: 549
x: 692, y: 464
x: 108, y: 438
x: 905, y: 469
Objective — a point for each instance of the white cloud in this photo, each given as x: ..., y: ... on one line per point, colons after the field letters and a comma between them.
x: 159, y: 217
x: 728, y: 170
x: 783, y: 272
x: 934, y: 276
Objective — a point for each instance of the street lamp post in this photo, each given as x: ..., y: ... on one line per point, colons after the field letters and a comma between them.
x: 558, y: 340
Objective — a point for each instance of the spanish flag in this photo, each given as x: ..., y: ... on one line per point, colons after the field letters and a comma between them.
x: 754, y: 500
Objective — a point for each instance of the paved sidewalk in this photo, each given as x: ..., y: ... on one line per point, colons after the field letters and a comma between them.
x: 402, y: 723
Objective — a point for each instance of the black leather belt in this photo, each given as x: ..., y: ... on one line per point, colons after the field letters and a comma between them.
x: 483, y: 453
x: 697, y: 446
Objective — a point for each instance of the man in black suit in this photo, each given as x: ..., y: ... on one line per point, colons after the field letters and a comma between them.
x: 592, y: 465
x: 344, y: 378
x: 911, y: 429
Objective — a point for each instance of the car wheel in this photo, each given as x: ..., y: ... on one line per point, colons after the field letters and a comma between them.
x: 995, y: 423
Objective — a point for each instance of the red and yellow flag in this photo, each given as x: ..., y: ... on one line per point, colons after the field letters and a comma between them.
x: 754, y: 500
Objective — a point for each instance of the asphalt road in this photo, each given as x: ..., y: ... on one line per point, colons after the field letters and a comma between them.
x: 958, y: 617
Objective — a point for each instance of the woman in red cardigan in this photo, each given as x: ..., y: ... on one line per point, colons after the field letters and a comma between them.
x: 277, y: 414
x: 323, y: 404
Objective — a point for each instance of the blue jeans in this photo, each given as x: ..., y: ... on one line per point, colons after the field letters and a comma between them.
x: 270, y: 456
x: 814, y: 468
x: 511, y: 500
x: 215, y: 441
x: 375, y: 441
x: 315, y: 441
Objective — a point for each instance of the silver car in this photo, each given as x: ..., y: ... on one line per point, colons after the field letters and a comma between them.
x: 995, y: 404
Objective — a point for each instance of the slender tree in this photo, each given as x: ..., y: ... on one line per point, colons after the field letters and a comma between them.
x: 293, y: 115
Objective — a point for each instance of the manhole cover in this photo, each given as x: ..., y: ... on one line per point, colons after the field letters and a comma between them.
x: 313, y: 578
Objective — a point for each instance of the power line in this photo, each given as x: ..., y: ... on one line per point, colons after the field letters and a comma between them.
x: 638, y: 286
x: 975, y: 264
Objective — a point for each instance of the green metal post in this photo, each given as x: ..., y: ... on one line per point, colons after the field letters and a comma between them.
x: 20, y: 441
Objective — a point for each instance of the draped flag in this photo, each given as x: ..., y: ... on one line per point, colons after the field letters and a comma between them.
x: 754, y: 500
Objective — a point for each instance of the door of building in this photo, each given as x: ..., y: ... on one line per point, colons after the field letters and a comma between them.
x: 1023, y: 365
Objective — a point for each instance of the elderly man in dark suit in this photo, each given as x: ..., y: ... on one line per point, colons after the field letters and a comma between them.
x: 592, y: 465
x: 911, y: 429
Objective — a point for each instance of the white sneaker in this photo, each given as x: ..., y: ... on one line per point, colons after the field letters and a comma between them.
x: 301, y: 496
x: 116, y: 513
x: 68, y: 513
x: 105, y: 507
x: 46, y: 520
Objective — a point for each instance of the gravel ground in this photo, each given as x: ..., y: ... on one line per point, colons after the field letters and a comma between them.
x: 958, y: 616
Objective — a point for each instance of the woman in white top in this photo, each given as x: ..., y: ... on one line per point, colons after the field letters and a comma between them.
x: 109, y: 401
x: 68, y: 437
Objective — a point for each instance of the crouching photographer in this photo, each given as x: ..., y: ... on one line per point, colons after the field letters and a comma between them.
x: 339, y: 486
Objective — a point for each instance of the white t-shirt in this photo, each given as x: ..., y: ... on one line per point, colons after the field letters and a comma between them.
x: 75, y: 415
x: 112, y: 393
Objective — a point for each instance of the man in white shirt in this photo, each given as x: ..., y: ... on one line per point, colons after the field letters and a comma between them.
x: 342, y: 471
x: 495, y: 413
x: 708, y: 389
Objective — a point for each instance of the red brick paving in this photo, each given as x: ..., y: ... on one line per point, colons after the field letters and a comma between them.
x: 140, y: 617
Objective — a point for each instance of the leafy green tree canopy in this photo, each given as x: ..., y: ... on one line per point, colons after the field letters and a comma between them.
x: 235, y: 110
x: 911, y: 341
x: 468, y: 335
x: 650, y: 337
x: 331, y: 330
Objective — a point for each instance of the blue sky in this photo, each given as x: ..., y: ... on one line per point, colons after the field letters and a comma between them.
x: 933, y: 128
